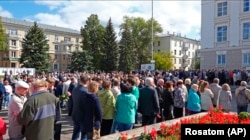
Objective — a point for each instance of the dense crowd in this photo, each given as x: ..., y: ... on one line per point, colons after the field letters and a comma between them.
x: 105, y: 103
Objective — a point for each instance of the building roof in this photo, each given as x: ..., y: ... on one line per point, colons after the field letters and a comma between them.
x: 44, y: 26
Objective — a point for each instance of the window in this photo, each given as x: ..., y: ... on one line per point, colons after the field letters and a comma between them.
x: 47, y: 37
x: 221, y: 59
x: 13, y: 54
x: 77, y: 40
x: 179, y: 52
x: 13, y: 42
x: 246, y: 30
x: 67, y: 38
x: 179, y: 61
x: 222, y: 9
x: 159, y: 43
x: 189, y: 54
x: 221, y: 33
x: 55, y: 67
x: 56, y: 47
x: 13, y: 65
x: 174, y: 52
x: 56, y: 57
x: 64, y: 57
x: 246, y: 4
x: 77, y: 48
x: 56, y: 37
x: 246, y: 59
x: 175, y: 61
x: 13, y: 31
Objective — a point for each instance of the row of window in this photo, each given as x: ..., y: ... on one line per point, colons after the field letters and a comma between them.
x: 222, y: 32
x: 221, y: 59
x: 56, y: 37
x: 188, y: 53
x: 222, y: 7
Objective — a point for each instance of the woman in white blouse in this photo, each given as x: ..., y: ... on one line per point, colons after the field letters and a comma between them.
x: 8, y: 94
x: 206, y: 97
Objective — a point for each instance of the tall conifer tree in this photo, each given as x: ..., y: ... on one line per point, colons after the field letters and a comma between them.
x: 110, y: 49
x: 35, y: 50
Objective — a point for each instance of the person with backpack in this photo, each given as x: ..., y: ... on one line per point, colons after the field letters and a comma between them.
x: 242, y: 95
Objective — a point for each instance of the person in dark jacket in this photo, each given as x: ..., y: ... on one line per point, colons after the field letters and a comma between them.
x: 79, y: 108
x: 168, y: 100
x: 2, y: 92
x: 148, y: 104
x: 72, y: 85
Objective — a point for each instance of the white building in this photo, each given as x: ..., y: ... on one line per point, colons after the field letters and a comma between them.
x: 225, y: 34
x: 185, y: 50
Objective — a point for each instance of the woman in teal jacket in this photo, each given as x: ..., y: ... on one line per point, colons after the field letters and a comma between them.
x: 193, y: 101
x: 126, y: 105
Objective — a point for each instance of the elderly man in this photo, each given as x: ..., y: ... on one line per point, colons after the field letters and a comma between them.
x: 242, y: 95
x: 39, y: 113
x: 15, y: 106
x: 148, y: 104
x: 215, y: 88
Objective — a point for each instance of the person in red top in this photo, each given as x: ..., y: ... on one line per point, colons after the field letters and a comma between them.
x: 3, y: 128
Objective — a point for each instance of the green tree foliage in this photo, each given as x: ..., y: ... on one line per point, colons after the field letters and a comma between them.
x: 92, y: 39
x: 197, y: 64
x: 110, y: 49
x: 3, y: 38
x: 81, y: 61
x: 126, y: 50
x: 35, y: 50
x: 164, y: 60
x: 141, y: 37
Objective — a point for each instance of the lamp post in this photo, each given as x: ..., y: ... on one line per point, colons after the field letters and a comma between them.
x: 152, y: 33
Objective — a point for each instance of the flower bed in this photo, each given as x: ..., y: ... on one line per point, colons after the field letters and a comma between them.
x: 173, y: 132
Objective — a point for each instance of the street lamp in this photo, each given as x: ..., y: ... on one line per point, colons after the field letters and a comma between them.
x: 152, y: 33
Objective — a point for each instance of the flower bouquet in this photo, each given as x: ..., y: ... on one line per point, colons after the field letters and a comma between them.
x: 65, y: 96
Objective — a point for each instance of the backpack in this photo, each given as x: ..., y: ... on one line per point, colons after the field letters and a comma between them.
x: 241, y: 99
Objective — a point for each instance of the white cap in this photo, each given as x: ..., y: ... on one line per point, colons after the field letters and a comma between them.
x: 21, y: 84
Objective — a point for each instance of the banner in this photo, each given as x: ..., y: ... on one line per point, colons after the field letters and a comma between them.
x: 149, y: 67
x: 16, y: 71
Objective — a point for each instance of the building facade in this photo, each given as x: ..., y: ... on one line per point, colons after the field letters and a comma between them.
x: 62, y: 42
x: 225, y: 34
x: 185, y: 50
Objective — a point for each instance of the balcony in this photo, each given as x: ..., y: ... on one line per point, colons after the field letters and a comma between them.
x: 185, y: 56
x: 14, y: 36
x: 11, y: 59
x: 66, y: 42
x: 14, y: 47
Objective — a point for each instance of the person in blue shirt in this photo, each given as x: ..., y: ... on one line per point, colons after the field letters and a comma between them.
x: 193, y: 101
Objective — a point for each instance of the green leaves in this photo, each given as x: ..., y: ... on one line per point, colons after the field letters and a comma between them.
x: 3, y: 38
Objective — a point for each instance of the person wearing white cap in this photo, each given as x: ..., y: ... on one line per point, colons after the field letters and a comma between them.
x: 15, y: 106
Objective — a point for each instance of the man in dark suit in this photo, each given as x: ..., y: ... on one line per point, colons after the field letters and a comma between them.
x: 2, y: 92
x: 148, y: 104
x: 79, y: 97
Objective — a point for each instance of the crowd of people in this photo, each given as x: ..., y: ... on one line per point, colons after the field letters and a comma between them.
x: 104, y: 103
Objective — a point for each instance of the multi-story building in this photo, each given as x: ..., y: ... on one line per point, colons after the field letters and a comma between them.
x: 62, y: 42
x: 185, y: 50
x: 225, y: 34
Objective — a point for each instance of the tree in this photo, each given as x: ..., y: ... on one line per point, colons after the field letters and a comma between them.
x: 197, y: 64
x: 110, y: 49
x: 141, y: 36
x: 35, y: 50
x: 3, y: 38
x: 81, y: 61
x: 92, y: 36
x: 164, y: 60
x: 126, y: 52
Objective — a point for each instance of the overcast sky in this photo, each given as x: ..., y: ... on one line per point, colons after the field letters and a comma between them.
x: 179, y: 16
